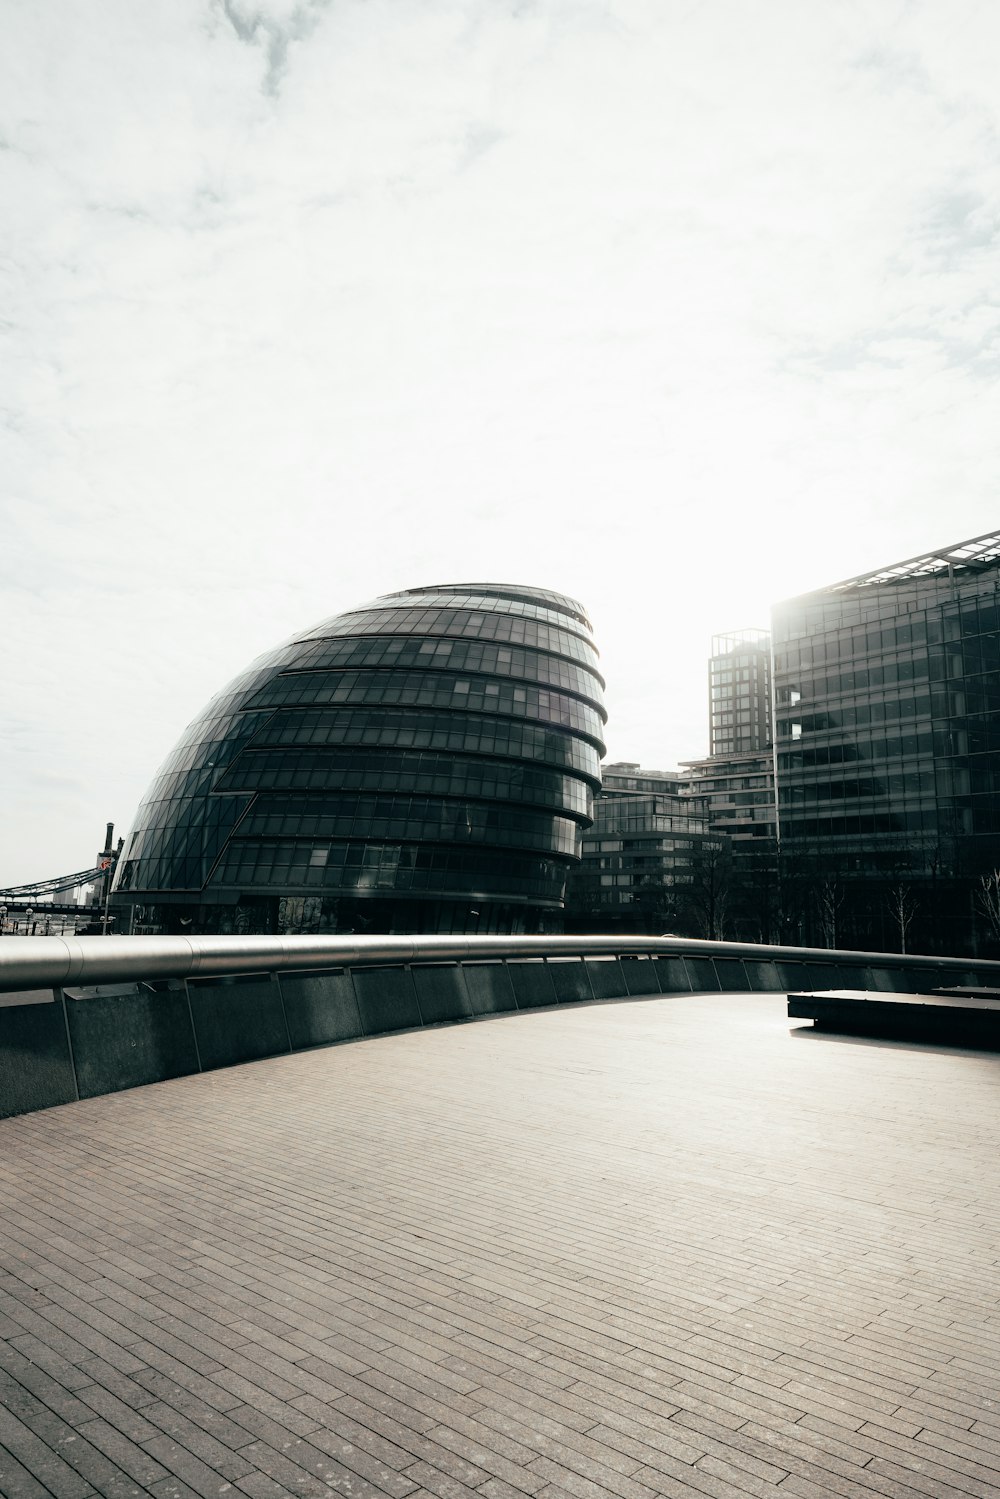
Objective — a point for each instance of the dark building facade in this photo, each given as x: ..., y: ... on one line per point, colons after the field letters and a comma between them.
x: 739, y: 692
x: 650, y: 862
x: 735, y: 783
x: 887, y: 692
x: 426, y: 762
x: 735, y: 796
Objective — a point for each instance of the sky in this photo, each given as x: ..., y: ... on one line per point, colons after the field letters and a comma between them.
x: 680, y: 308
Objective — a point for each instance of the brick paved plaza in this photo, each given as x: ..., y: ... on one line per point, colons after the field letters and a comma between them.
x: 670, y: 1247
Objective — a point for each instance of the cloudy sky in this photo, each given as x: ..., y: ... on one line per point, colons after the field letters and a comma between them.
x: 678, y: 306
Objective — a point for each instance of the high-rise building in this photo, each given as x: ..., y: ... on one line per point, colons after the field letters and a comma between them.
x: 736, y: 793
x: 739, y: 691
x: 693, y: 851
x: 887, y: 689
x: 650, y: 861
x: 423, y: 763
x: 735, y: 796
x: 734, y: 785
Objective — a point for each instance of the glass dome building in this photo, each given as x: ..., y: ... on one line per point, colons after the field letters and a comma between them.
x: 424, y: 763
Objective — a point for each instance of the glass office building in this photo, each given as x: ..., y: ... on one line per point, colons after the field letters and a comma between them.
x: 423, y: 763
x: 739, y: 692
x: 649, y: 858
x: 736, y: 794
x: 887, y: 690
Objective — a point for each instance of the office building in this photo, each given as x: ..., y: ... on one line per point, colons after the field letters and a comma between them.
x: 887, y: 689
x: 650, y: 862
x: 736, y: 793
x: 735, y: 796
x: 423, y: 763
x: 739, y: 691
x: 734, y: 785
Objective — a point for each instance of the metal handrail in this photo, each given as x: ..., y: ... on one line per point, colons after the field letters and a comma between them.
x: 52, y: 962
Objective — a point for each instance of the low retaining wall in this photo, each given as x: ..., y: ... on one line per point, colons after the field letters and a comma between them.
x: 65, y: 1043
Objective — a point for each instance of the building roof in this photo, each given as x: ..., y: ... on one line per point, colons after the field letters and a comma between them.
x: 734, y: 640
x: 978, y: 553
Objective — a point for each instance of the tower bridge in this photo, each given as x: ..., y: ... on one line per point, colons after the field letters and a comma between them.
x: 34, y: 901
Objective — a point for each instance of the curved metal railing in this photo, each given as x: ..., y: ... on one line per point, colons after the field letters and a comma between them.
x: 51, y: 962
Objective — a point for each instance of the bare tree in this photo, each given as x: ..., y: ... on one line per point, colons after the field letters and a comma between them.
x: 754, y: 908
x: 829, y: 898
x: 709, y: 887
x: 793, y: 886
x: 903, y: 904
x: 655, y: 901
x: 988, y: 901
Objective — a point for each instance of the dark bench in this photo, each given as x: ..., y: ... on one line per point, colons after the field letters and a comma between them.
x: 967, y: 1017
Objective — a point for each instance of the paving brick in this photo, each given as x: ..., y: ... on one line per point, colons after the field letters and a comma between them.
x: 172, y: 1488
x: 719, y: 1480
x: 93, y: 1341
x: 125, y: 1389
x: 648, y: 1453
x: 432, y: 1481
x: 219, y: 1449
x: 298, y: 1462
x: 258, y: 1486
x: 383, y: 1476
x: 728, y: 1446
x: 594, y: 1483
x: 190, y: 1469
x: 172, y: 1387
x: 612, y: 1252
x: 487, y: 1458
x: 122, y: 1452
x: 41, y: 1459
x: 16, y: 1482
x: 406, y: 1443
x: 93, y: 1466
x: 259, y: 1399
x: 929, y: 1480
x: 41, y: 1334
x: 95, y: 1400
x: 496, y: 1488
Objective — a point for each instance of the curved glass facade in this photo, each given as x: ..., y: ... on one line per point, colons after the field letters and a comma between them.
x: 425, y: 762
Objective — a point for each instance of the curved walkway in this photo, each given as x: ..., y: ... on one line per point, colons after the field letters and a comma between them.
x: 617, y: 1251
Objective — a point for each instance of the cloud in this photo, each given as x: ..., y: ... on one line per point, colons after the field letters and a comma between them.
x: 53, y: 781
x: 273, y: 28
x: 677, y: 308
